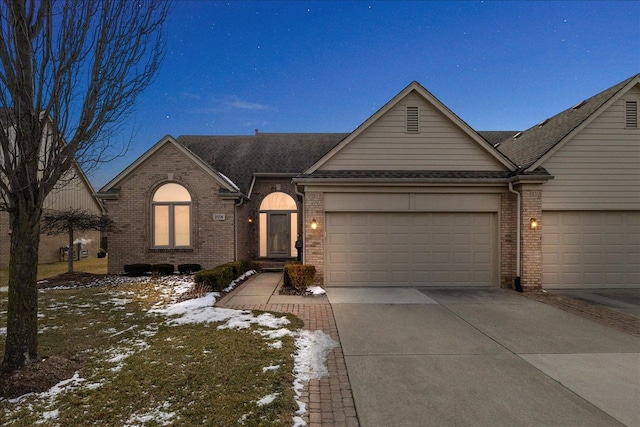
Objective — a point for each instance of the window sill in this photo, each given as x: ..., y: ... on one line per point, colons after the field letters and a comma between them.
x: 169, y: 250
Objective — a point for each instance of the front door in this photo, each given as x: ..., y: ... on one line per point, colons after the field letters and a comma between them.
x: 279, y: 238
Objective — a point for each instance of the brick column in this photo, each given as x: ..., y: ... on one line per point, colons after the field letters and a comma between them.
x: 314, y: 239
x: 531, y: 240
x: 508, y: 237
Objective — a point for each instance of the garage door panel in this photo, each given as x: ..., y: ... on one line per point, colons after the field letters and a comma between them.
x: 422, y: 249
x: 591, y: 249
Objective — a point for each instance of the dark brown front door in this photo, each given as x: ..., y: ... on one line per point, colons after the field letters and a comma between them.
x: 279, y: 239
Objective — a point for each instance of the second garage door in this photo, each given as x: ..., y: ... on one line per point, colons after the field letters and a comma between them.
x: 591, y: 249
x: 411, y: 249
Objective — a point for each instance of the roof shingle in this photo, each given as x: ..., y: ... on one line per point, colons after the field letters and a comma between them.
x: 239, y: 157
x: 532, y: 144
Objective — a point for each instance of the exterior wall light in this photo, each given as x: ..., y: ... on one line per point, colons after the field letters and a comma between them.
x: 250, y: 220
x: 314, y: 224
x: 533, y: 224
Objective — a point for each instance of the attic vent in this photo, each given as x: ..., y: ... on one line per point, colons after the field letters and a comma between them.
x: 544, y: 122
x: 631, y: 114
x: 580, y: 104
x: 412, y: 120
x: 517, y: 135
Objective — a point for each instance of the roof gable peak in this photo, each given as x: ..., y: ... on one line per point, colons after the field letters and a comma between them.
x: 431, y: 100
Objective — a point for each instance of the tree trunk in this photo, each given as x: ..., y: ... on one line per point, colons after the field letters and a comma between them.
x: 21, y: 346
x: 71, y: 254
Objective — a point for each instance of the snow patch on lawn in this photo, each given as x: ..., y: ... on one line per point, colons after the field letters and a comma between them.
x: 313, y: 347
x: 267, y: 399
x: 310, y: 357
x: 158, y: 415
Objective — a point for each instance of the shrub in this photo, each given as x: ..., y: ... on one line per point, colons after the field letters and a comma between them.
x: 134, y: 270
x: 162, y: 269
x: 239, y: 267
x: 189, y: 268
x: 300, y: 276
x: 215, y: 279
x: 286, y: 281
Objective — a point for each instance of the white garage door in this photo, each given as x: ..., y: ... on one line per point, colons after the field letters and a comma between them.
x: 411, y: 249
x: 590, y: 249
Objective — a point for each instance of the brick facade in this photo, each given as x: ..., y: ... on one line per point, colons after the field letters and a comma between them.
x: 531, y: 240
x: 508, y: 237
x: 213, y: 241
x: 249, y: 231
x: 314, y: 239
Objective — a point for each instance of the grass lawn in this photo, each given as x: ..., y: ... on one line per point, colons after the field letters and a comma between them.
x: 87, y: 265
x: 137, y: 368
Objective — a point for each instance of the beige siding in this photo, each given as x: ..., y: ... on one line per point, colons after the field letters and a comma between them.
x: 600, y: 167
x: 385, y: 145
x: 72, y: 193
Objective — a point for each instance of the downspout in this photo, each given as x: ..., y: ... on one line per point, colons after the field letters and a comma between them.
x: 235, y: 228
x: 517, y: 284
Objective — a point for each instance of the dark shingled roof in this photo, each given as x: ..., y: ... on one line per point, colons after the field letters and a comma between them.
x: 536, y: 141
x: 494, y: 137
x: 239, y: 157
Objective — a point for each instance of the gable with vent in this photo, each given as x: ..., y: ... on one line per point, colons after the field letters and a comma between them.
x: 414, y: 134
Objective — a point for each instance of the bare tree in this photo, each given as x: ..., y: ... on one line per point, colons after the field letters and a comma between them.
x: 70, y: 73
x: 71, y: 220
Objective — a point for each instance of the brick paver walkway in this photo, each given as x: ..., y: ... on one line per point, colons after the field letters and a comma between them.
x: 606, y: 316
x: 329, y: 400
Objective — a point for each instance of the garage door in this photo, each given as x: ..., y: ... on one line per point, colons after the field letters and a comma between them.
x: 411, y: 249
x: 590, y: 249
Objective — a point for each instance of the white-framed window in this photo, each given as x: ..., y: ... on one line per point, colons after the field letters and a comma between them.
x: 171, y: 217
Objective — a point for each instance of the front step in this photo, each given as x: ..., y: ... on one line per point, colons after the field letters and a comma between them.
x: 267, y: 265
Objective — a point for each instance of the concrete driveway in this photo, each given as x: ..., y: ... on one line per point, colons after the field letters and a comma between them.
x: 482, y: 357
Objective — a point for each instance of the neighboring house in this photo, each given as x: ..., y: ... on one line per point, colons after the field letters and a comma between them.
x: 73, y: 192
x: 413, y: 196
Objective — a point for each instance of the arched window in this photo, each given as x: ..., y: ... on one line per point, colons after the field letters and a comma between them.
x: 171, y: 207
x: 278, y: 226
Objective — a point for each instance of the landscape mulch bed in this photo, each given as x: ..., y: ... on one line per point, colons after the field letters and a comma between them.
x: 36, y: 377
x: 40, y: 376
x: 69, y: 280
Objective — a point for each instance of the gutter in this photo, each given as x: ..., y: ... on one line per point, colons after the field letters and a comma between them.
x: 517, y: 284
